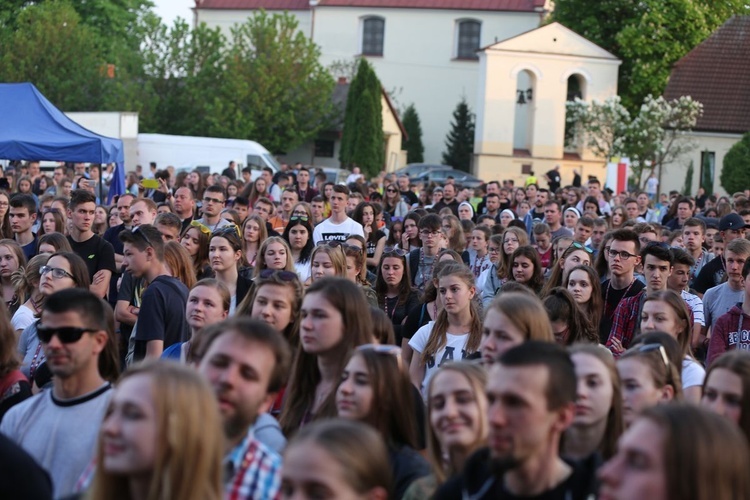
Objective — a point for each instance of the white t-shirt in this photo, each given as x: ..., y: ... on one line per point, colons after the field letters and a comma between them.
x: 692, y: 373
x: 328, y: 231
x: 453, y: 350
x: 303, y: 270
x: 651, y: 185
x: 22, y: 318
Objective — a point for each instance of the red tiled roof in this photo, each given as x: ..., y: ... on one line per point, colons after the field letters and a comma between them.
x: 497, y: 5
x: 253, y: 4
x: 717, y: 74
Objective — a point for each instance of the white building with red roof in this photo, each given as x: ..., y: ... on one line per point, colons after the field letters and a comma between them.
x: 424, y: 51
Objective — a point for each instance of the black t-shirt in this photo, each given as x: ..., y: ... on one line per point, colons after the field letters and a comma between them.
x: 711, y: 275
x: 162, y: 314
x: 397, y: 312
x: 611, y: 301
x: 96, y: 253
x: 20, y: 475
x: 409, y: 197
x: 29, y: 250
x: 478, y: 482
x: 112, y: 236
x: 372, y: 242
x: 554, y: 179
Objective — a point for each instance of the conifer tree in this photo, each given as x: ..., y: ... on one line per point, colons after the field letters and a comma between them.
x: 460, y: 139
x: 412, y: 143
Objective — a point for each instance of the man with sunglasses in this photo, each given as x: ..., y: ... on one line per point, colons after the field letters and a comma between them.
x: 161, y: 319
x: 59, y: 427
x: 658, y: 264
x: 97, y: 253
x: 214, y: 199
x: 338, y: 226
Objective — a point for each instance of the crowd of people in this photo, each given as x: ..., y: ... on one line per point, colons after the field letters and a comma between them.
x: 248, y: 336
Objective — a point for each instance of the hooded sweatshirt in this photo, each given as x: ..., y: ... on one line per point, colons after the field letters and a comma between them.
x: 730, y: 331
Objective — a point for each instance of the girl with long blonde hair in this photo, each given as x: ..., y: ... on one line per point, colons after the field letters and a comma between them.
x: 176, y: 445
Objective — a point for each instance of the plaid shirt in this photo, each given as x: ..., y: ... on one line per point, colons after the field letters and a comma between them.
x: 625, y: 321
x: 253, y: 471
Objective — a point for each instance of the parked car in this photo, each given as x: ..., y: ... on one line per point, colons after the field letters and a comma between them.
x: 414, y: 170
x: 439, y: 176
x: 336, y: 175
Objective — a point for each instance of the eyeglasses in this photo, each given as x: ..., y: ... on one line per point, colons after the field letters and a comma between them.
x: 623, y: 255
x: 66, y: 334
x: 394, y: 250
x: 227, y: 231
x: 512, y: 240
x: 202, y: 227
x: 303, y: 218
x: 578, y: 246
x: 282, y: 274
x: 494, y: 250
x: 426, y: 234
x: 137, y: 231
x: 391, y: 191
x: 57, y: 273
x: 206, y: 199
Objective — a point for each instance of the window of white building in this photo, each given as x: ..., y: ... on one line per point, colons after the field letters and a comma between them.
x: 373, y: 34
x: 468, y: 39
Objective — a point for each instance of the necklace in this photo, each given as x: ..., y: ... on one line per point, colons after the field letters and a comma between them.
x: 395, y: 305
x: 34, y: 305
x: 422, y: 265
x: 606, y: 295
x: 698, y: 264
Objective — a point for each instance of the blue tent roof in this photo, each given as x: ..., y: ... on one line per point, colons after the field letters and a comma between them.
x: 32, y: 128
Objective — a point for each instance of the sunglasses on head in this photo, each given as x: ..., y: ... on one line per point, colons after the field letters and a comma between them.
x: 337, y: 244
x: 227, y: 230
x: 137, y: 231
x: 201, y: 227
x: 66, y: 334
x: 282, y: 274
x: 390, y: 350
x: 303, y: 218
x: 579, y: 246
x: 394, y: 250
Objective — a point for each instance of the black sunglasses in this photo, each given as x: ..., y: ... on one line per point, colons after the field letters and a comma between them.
x: 282, y: 274
x: 66, y: 334
x: 137, y: 231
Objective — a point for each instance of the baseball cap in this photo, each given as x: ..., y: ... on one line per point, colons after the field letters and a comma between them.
x: 732, y: 221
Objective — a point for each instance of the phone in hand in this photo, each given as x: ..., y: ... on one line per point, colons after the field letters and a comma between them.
x: 150, y: 183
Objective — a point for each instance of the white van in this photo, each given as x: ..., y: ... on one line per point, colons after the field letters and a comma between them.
x: 207, y: 154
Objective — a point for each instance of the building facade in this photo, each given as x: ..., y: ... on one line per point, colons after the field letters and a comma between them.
x: 524, y: 84
x: 425, y: 52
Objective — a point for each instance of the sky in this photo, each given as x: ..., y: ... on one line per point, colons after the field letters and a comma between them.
x: 169, y: 10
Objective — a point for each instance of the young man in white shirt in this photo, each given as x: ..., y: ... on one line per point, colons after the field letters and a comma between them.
x: 339, y: 225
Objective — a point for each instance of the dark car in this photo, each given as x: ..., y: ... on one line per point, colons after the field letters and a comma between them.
x: 439, y: 176
x: 414, y: 170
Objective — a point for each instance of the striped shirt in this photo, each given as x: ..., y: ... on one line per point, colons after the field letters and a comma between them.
x: 252, y: 471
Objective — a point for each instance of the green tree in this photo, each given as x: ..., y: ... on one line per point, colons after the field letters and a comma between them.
x: 274, y: 89
x: 735, y: 175
x: 460, y: 140
x: 53, y: 49
x: 362, y: 142
x: 412, y: 143
x: 652, y: 138
x: 648, y: 35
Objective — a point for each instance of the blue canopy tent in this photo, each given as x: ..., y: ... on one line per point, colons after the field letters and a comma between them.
x: 32, y: 128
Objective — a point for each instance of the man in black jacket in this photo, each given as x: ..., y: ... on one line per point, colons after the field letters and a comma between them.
x: 532, y: 392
